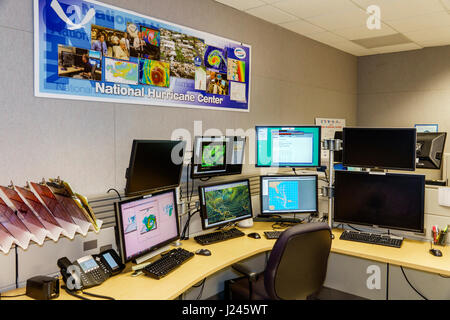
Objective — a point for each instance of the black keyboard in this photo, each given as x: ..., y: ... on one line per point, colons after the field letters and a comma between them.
x: 218, y: 236
x: 167, y: 263
x: 372, y: 238
x: 272, y: 234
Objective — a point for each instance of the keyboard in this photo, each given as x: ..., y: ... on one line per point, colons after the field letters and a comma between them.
x: 218, y: 236
x: 372, y: 238
x: 167, y: 263
x: 272, y: 234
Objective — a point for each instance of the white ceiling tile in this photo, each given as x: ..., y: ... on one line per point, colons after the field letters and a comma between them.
x: 326, y: 37
x: 400, y: 9
x: 311, y: 8
x: 425, y: 21
x: 362, y: 32
x: 428, y: 36
x: 397, y: 48
x: 302, y: 27
x: 242, y: 4
x: 270, y: 1
x: 352, y: 48
x: 351, y: 17
x: 272, y: 14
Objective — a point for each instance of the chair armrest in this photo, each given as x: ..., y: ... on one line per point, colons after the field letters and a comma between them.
x: 245, y: 270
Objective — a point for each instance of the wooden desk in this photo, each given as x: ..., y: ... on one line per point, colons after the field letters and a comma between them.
x: 412, y: 254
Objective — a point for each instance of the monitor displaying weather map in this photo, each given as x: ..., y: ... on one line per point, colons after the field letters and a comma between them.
x: 213, y: 154
x: 288, y: 194
x: 119, y: 71
x: 147, y: 222
x: 225, y: 203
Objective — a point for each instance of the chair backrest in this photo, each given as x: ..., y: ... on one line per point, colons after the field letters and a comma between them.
x: 298, y: 263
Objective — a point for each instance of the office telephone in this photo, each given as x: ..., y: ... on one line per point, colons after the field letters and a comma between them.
x: 90, y: 271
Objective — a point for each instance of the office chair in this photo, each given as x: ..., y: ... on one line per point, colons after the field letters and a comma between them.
x: 296, y: 268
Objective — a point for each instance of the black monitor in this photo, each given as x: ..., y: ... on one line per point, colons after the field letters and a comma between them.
x: 154, y: 164
x: 288, y: 146
x: 68, y: 59
x: 217, y: 156
x: 288, y: 194
x: 146, y: 223
x: 385, y: 148
x: 430, y: 149
x: 225, y: 203
x: 392, y: 201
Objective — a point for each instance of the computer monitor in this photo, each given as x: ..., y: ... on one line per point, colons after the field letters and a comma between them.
x: 146, y: 223
x: 384, y: 148
x: 225, y: 203
x: 154, y: 164
x: 392, y: 201
x: 288, y: 146
x: 430, y: 149
x: 288, y: 194
x: 217, y: 156
x: 68, y: 59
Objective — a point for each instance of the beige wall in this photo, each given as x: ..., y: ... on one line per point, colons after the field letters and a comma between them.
x: 294, y: 80
x: 406, y: 88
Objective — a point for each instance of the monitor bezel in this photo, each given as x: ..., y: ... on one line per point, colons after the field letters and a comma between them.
x: 344, y: 148
x: 257, y: 165
x: 130, y: 169
x: 215, y: 174
x: 203, y: 211
x: 287, y: 176
x: 121, y: 231
x: 422, y: 196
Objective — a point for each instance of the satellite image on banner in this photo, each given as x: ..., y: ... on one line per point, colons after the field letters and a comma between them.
x: 227, y: 204
x: 283, y: 195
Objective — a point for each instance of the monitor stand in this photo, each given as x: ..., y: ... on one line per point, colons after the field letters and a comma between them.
x: 142, y: 262
x: 271, y: 218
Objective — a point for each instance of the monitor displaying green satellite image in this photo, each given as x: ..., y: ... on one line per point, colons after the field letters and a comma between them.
x: 213, y: 154
x: 225, y: 203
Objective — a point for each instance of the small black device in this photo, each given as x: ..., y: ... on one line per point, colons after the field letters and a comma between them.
x: 90, y: 271
x: 391, y: 201
x: 372, y: 238
x: 154, y: 164
x: 430, y: 149
x: 254, y: 235
x: 110, y: 262
x: 43, y: 288
x: 203, y: 252
x: 436, y: 252
x: 167, y: 263
x: 385, y: 148
x: 219, y: 236
x: 272, y: 234
x: 217, y: 156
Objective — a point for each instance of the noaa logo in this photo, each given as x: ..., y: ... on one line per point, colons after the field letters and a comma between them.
x: 240, y: 53
x: 198, y: 61
x: 74, y: 22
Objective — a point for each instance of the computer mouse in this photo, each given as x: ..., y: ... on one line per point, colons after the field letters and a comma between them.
x: 203, y: 252
x: 254, y: 235
x: 436, y: 252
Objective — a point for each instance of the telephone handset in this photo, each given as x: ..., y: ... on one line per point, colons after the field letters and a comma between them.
x: 89, y: 271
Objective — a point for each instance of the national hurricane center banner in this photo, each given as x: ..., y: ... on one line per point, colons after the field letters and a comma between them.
x: 88, y: 50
